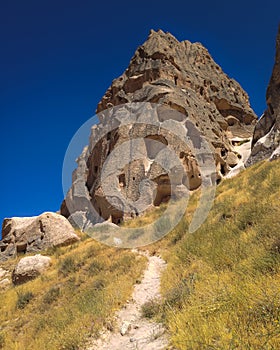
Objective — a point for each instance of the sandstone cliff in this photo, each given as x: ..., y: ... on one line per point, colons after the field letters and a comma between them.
x: 266, y: 138
x: 189, y: 89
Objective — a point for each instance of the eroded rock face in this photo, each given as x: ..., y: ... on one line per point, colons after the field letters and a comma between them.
x: 29, y: 268
x: 4, y: 281
x: 192, y: 95
x: 184, y: 76
x: 266, y: 137
x: 32, y: 234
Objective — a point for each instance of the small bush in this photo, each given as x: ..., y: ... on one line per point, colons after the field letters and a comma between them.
x: 150, y: 309
x: 177, y: 295
x: 95, y: 267
x: 51, y: 295
x: 99, y: 284
x: 68, y: 266
x: 266, y: 311
x: 24, y: 299
x: 268, y: 263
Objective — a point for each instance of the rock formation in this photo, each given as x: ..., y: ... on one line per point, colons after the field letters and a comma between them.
x: 266, y: 138
x: 4, y: 281
x: 29, y: 268
x: 32, y: 234
x: 193, y: 96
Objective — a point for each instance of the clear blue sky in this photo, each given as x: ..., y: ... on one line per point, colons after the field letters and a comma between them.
x: 59, y: 57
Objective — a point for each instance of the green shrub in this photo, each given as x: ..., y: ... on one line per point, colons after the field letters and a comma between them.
x: 268, y: 263
x: 95, y: 267
x: 266, y: 311
x: 23, y: 299
x: 68, y: 266
x: 178, y: 295
x: 99, y: 284
x: 51, y: 295
x: 150, y: 309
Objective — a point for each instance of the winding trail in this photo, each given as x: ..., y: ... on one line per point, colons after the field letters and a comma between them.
x: 133, y: 331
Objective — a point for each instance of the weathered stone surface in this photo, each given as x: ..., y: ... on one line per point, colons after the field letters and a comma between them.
x: 266, y: 137
x: 182, y: 74
x: 29, y: 268
x: 125, y: 328
x: 243, y: 148
x: 4, y: 283
x: 189, y: 89
x: 3, y: 272
x: 32, y: 234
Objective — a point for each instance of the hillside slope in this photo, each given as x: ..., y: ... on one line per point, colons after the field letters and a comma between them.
x: 222, y: 283
x: 221, y: 287
x: 72, y: 301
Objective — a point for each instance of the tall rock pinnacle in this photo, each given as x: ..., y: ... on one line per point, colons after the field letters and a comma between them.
x: 266, y: 138
x: 187, y: 86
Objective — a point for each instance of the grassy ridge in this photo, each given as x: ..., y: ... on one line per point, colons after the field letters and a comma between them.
x: 221, y: 287
x: 222, y: 284
x: 74, y: 299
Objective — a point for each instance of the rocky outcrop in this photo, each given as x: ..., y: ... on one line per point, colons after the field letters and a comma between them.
x: 4, y: 281
x: 243, y: 148
x: 184, y: 76
x: 32, y: 234
x: 266, y: 137
x: 189, y: 96
x: 29, y: 268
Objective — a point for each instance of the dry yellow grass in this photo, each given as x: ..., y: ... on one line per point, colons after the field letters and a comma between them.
x: 221, y: 287
x: 222, y: 284
x: 74, y: 299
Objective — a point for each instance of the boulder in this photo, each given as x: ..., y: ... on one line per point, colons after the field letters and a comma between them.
x: 125, y: 328
x: 232, y: 159
x: 3, y: 272
x: 33, y: 234
x: 29, y: 268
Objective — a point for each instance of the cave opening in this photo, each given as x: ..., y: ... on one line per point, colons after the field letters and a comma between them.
x: 117, y: 219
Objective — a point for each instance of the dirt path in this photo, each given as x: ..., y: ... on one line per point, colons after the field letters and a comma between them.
x: 134, y: 332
